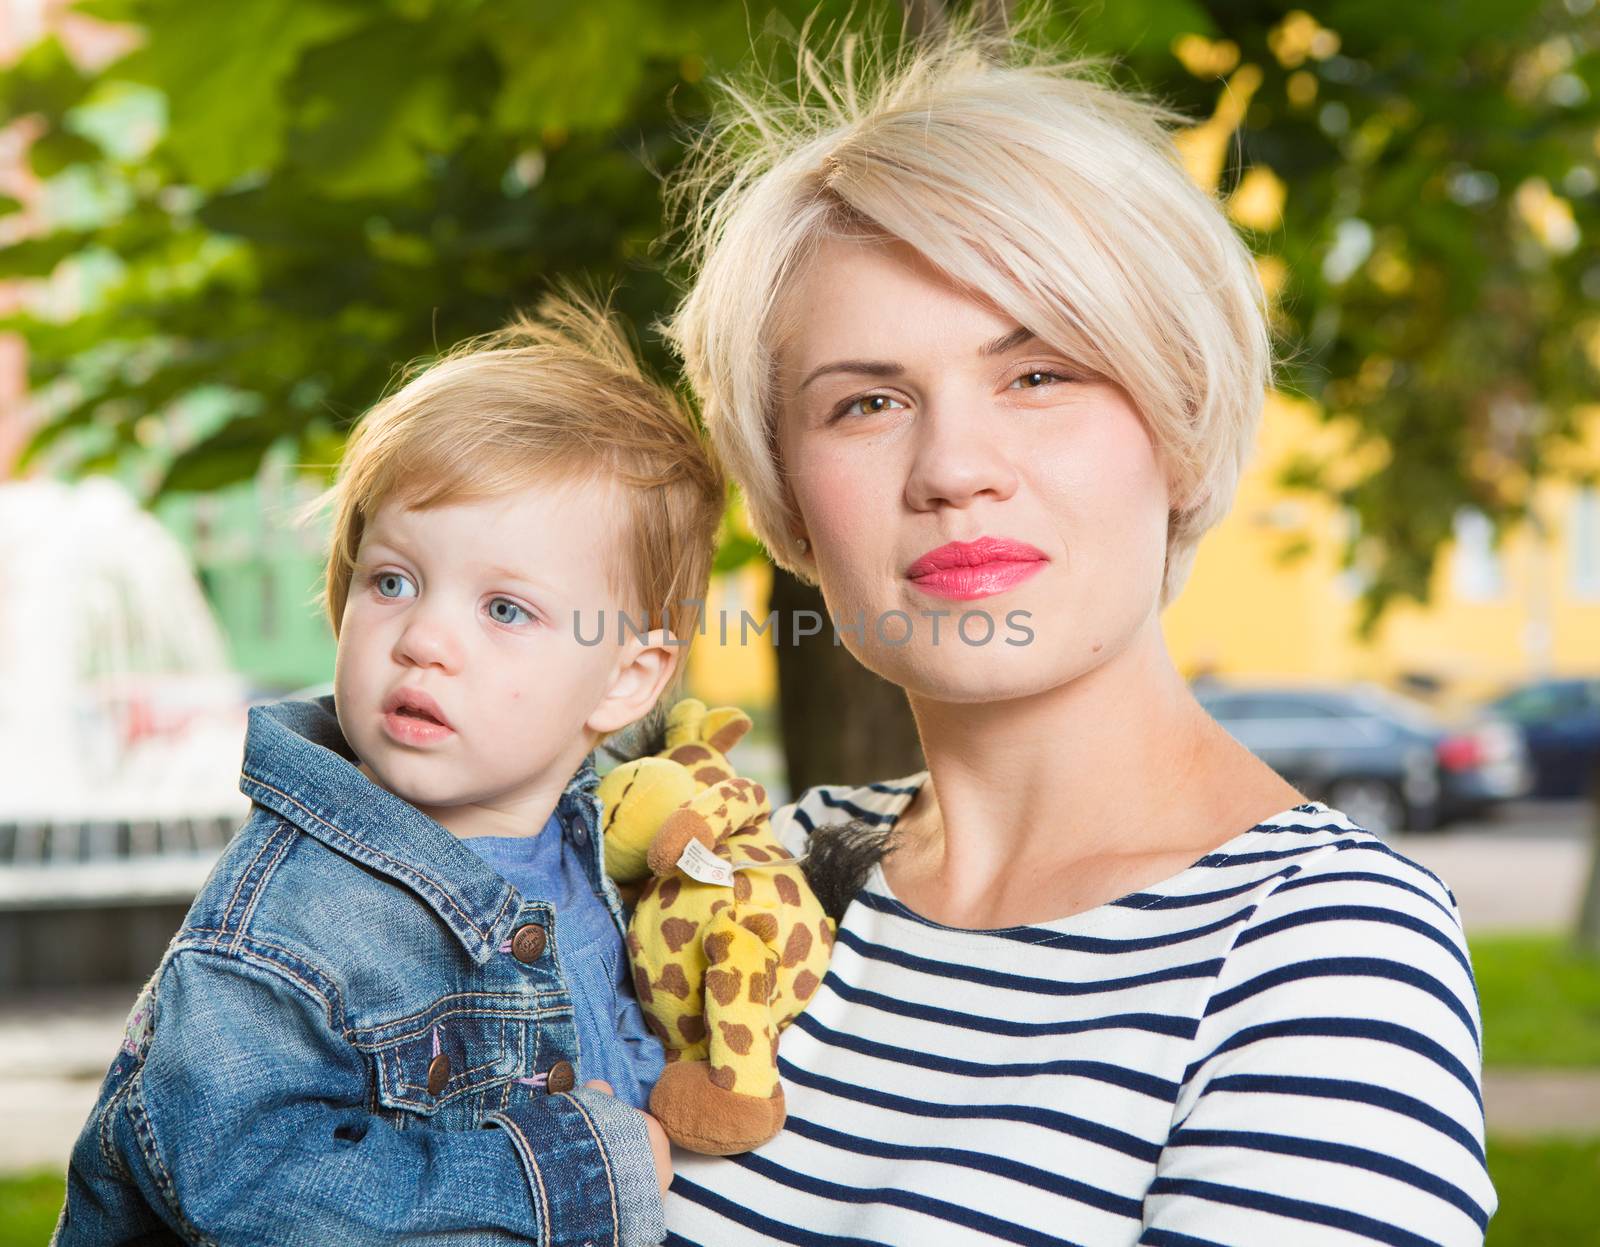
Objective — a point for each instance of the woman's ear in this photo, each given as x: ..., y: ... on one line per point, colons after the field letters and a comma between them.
x: 642, y: 673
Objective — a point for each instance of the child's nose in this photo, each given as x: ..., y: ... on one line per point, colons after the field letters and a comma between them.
x: 427, y: 642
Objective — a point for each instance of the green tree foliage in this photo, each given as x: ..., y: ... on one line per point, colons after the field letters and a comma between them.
x: 276, y: 205
x: 323, y: 189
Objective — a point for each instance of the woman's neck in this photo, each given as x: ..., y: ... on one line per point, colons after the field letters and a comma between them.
x: 1046, y: 806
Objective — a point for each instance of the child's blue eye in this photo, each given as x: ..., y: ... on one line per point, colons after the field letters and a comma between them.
x: 505, y: 611
x: 393, y: 585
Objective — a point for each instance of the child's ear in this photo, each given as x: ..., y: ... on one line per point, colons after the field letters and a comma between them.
x: 641, y: 675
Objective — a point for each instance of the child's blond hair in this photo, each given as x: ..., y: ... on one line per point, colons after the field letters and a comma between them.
x: 559, y: 398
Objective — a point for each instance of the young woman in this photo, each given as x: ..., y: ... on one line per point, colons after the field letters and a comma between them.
x: 987, y: 363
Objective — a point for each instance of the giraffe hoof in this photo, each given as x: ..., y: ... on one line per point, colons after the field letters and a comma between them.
x: 674, y: 836
x: 701, y: 1116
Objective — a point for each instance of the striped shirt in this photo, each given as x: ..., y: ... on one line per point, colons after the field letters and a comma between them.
x: 1279, y: 1046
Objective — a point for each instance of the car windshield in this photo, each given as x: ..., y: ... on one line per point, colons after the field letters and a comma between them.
x: 1407, y: 710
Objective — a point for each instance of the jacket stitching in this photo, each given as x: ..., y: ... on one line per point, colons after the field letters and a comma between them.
x: 244, y: 878
x: 332, y: 1007
x: 108, y: 1116
x: 140, y: 1121
x: 402, y: 868
x: 525, y: 1150
x: 362, y: 1037
x: 260, y: 887
x: 605, y: 1161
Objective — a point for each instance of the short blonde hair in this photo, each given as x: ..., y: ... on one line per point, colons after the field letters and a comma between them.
x: 560, y: 397
x: 1029, y: 180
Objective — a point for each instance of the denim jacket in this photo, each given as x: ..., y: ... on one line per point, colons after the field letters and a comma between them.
x: 333, y: 1047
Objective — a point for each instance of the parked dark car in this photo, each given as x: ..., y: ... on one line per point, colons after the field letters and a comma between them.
x: 1388, y: 762
x: 1560, y: 723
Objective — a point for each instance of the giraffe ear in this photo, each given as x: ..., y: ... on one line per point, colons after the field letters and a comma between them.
x: 684, y: 723
x: 724, y: 727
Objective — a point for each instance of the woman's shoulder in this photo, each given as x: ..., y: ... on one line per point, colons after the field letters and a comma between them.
x: 877, y: 804
x: 1320, y: 850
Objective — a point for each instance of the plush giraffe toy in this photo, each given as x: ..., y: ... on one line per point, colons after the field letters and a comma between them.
x: 727, y: 940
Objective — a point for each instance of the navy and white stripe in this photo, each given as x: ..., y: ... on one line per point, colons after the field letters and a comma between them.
x: 1280, y: 1045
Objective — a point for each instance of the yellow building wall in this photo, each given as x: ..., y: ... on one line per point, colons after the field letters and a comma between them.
x: 1246, y: 613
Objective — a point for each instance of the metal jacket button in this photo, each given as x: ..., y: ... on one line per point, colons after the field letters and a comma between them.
x: 560, y: 1078
x: 438, y: 1073
x: 527, y: 943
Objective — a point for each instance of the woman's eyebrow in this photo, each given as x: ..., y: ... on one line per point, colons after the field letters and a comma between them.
x: 1008, y: 342
x: 867, y: 367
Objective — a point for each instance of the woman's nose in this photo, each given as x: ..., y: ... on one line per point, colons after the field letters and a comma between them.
x: 427, y: 641
x: 957, y: 459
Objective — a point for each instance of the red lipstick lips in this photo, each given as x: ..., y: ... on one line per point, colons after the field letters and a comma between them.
x: 411, y: 717
x: 974, y: 569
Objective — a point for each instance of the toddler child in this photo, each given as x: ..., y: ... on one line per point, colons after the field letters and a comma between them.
x: 374, y: 1022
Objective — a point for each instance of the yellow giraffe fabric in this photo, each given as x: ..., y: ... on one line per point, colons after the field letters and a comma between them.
x: 719, y: 968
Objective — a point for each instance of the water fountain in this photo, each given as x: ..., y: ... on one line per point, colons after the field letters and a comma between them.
x: 121, y: 722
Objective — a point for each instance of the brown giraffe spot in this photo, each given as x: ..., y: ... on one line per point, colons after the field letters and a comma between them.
x: 669, y: 892
x: 794, y: 952
x: 723, y: 984
x: 805, y: 985
x: 685, y: 754
x: 741, y: 888
x: 677, y: 932
x: 723, y: 1077
x: 719, y: 906
x: 717, y: 946
x: 759, y: 794
x: 763, y: 926
x: 708, y: 775
x: 760, y: 988
x: 722, y: 810
x: 673, y: 981
x: 692, y: 1027
x: 757, y: 854
x: 634, y: 947
x: 641, y: 985
x: 659, y: 1030
x: 737, y: 1036
x: 673, y: 1055
x: 788, y: 889
x: 775, y: 1058
x: 826, y: 927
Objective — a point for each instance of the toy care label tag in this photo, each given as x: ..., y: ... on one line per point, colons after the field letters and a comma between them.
x: 699, y: 862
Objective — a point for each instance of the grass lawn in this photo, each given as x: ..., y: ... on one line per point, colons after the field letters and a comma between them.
x: 28, y: 1208
x: 1546, y: 1198
x: 1546, y: 1193
x: 1541, y: 1003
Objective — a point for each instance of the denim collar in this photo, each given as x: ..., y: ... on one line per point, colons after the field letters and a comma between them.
x: 298, y: 764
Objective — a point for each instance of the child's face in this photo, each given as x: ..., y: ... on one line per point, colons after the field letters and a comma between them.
x: 467, y: 610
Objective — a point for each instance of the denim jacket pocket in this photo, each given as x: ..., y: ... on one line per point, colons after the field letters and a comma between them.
x: 449, y: 1064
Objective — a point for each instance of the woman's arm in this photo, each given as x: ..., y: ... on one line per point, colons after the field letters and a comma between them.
x: 1336, y: 1092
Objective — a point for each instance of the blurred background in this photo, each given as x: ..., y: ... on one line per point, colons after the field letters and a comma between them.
x: 224, y: 225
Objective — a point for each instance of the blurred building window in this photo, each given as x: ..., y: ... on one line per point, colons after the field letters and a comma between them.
x: 1477, y: 573
x: 1584, y: 542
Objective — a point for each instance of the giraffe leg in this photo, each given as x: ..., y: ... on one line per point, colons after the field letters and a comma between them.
x: 732, y: 1101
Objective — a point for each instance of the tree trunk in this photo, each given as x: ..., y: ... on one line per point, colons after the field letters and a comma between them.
x: 841, y: 724
x: 1588, y: 933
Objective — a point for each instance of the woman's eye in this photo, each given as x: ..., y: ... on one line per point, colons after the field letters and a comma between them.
x: 505, y: 611
x: 393, y: 585
x: 870, y: 405
x: 1036, y: 379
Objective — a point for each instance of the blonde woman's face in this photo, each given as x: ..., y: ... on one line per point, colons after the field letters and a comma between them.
x: 960, y: 485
